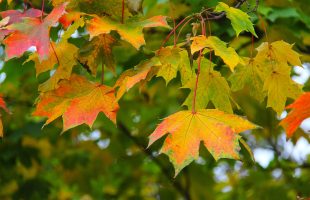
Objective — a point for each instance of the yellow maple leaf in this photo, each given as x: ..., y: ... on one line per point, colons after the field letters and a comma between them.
x: 228, y: 54
x: 278, y: 51
x: 63, y: 57
x: 217, y: 130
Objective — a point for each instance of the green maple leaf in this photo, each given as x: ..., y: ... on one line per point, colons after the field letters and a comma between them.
x: 251, y: 75
x: 170, y: 59
x: 211, y: 87
x: 240, y: 21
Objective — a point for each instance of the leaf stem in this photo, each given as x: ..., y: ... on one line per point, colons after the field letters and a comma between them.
x: 42, y: 10
x: 172, y: 31
x: 179, y: 33
x: 252, y: 46
x: 123, y: 11
x: 203, y: 32
x: 264, y: 28
x: 196, y: 84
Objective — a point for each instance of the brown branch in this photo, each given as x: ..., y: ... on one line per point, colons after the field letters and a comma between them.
x: 183, y: 191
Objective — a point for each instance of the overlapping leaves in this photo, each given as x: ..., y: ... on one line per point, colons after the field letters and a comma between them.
x: 79, y: 101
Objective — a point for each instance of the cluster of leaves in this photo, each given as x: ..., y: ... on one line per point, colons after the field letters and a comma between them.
x: 80, y: 42
x: 78, y: 100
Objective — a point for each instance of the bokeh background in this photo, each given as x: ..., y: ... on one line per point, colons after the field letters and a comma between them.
x: 109, y: 162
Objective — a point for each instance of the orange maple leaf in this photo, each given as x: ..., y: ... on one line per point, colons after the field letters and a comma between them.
x: 32, y: 32
x: 216, y: 129
x: 300, y: 111
x: 69, y: 17
x: 78, y: 101
x: 131, y: 32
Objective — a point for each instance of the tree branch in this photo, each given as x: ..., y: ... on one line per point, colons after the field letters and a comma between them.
x: 216, y: 15
x: 183, y: 191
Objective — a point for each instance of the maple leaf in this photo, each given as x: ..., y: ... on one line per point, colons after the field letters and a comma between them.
x: 130, y: 32
x: 144, y: 71
x: 14, y: 16
x: 300, y: 112
x: 62, y: 55
x: 3, y: 106
x: 78, y: 101
x: 64, y: 58
x: 217, y: 130
x: 32, y: 32
x: 250, y: 75
x: 72, y: 28
x: 229, y: 55
x: 111, y: 8
x: 185, y: 69
x: 240, y: 20
x: 278, y: 51
x: 274, y: 59
x: 279, y: 86
x: 170, y: 59
x: 211, y: 87
x: 98, y: 52
x: 17, y: 16
x: 67, y: 19
x: 174, y: 60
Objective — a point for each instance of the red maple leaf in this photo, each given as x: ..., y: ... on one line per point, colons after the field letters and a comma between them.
x: 17, y: 16
x: 32, y: 32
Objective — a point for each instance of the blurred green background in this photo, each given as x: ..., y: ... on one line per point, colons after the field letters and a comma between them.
x: 111, y: 162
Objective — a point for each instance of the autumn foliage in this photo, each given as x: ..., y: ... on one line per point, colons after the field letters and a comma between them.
x: 207, y: 115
